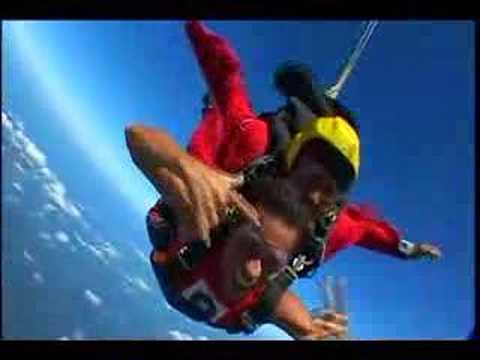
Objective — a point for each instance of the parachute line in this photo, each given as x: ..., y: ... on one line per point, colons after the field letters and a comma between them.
x: 334, y: 90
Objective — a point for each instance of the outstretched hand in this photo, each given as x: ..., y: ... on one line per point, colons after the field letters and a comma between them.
x: 423, y: 250
x: 329, y: 325
x: 204, y: 195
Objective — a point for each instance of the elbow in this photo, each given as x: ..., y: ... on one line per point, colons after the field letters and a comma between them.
x: 135, y: 136
x: 133, y: 132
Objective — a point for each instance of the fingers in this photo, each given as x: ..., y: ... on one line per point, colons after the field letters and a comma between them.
x: 211, y: 192
x: 179, y: 197
x: 204, y: 212
x: 237, y: 181
x: 245, y: 207
x: 208, y: 206
x: 327, y: 328
x: 174, y: 188
x: 335, y: 317
x: 432, y: 251
x: 436, y: 252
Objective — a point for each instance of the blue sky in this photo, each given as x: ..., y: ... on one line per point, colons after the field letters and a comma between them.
x: 412, y: 92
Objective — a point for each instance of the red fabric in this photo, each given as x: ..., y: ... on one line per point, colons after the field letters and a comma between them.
x: 357, y: 225
x: 207, y: 138
x: 244, y: 136
x: 208, y: 271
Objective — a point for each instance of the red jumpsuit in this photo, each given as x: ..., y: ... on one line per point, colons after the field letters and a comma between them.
x: 230, y: 136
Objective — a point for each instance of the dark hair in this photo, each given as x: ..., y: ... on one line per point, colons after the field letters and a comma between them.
x: 279, y: 197
x: 297, y: 79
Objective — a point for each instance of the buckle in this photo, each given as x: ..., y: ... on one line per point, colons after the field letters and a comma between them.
x: 181, y: 256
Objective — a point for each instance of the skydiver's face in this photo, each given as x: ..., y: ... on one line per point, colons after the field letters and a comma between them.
x: 277, y: 233
x: 257, y: 252
x: 315, y: 181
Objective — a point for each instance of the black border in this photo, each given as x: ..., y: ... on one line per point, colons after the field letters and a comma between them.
x: 475, y: 334
x: 251, y: 350
x: 237, y: 10
x: 240, y: 9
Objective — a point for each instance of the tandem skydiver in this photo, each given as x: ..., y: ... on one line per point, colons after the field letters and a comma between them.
x: 313, y: 140
x: 320, y: 159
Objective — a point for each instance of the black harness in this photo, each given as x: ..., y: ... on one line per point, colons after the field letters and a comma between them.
x: 302, y: 264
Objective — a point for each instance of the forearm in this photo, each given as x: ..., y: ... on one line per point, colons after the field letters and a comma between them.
x: 153, y: 149
x: 292, y: 316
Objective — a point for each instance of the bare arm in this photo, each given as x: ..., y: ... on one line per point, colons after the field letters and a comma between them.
x: 202, y: 193
x: 153, y: 149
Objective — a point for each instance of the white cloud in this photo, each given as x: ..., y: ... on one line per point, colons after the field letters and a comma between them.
x: 110, y: 250
x: 38, y: 278
x: 27, y: 256
x: 57, y: 193
x: 6, y: 122
x: 44, y: 235
x: 93, y: 298
x: 19, y: 167
x: 17, y: 187
x: 45, y: 172
x: 49, y: 208
x: 178, y: 335
x: 141, y: 284
x: 63, y: 338
x: 97, y: 253
x: 79, y: 239
x: 36, y: 160
x: 137, y: 283
x: 62, y: 237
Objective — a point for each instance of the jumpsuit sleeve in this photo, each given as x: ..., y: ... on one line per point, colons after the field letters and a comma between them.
x: 244, y: 136
x: 358, y: 225
x: 207, y: 138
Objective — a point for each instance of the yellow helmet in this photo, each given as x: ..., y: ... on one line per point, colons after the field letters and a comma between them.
x: 334, y: 130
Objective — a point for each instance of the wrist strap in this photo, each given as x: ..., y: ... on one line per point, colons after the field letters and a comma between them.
x: 406, y: 247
